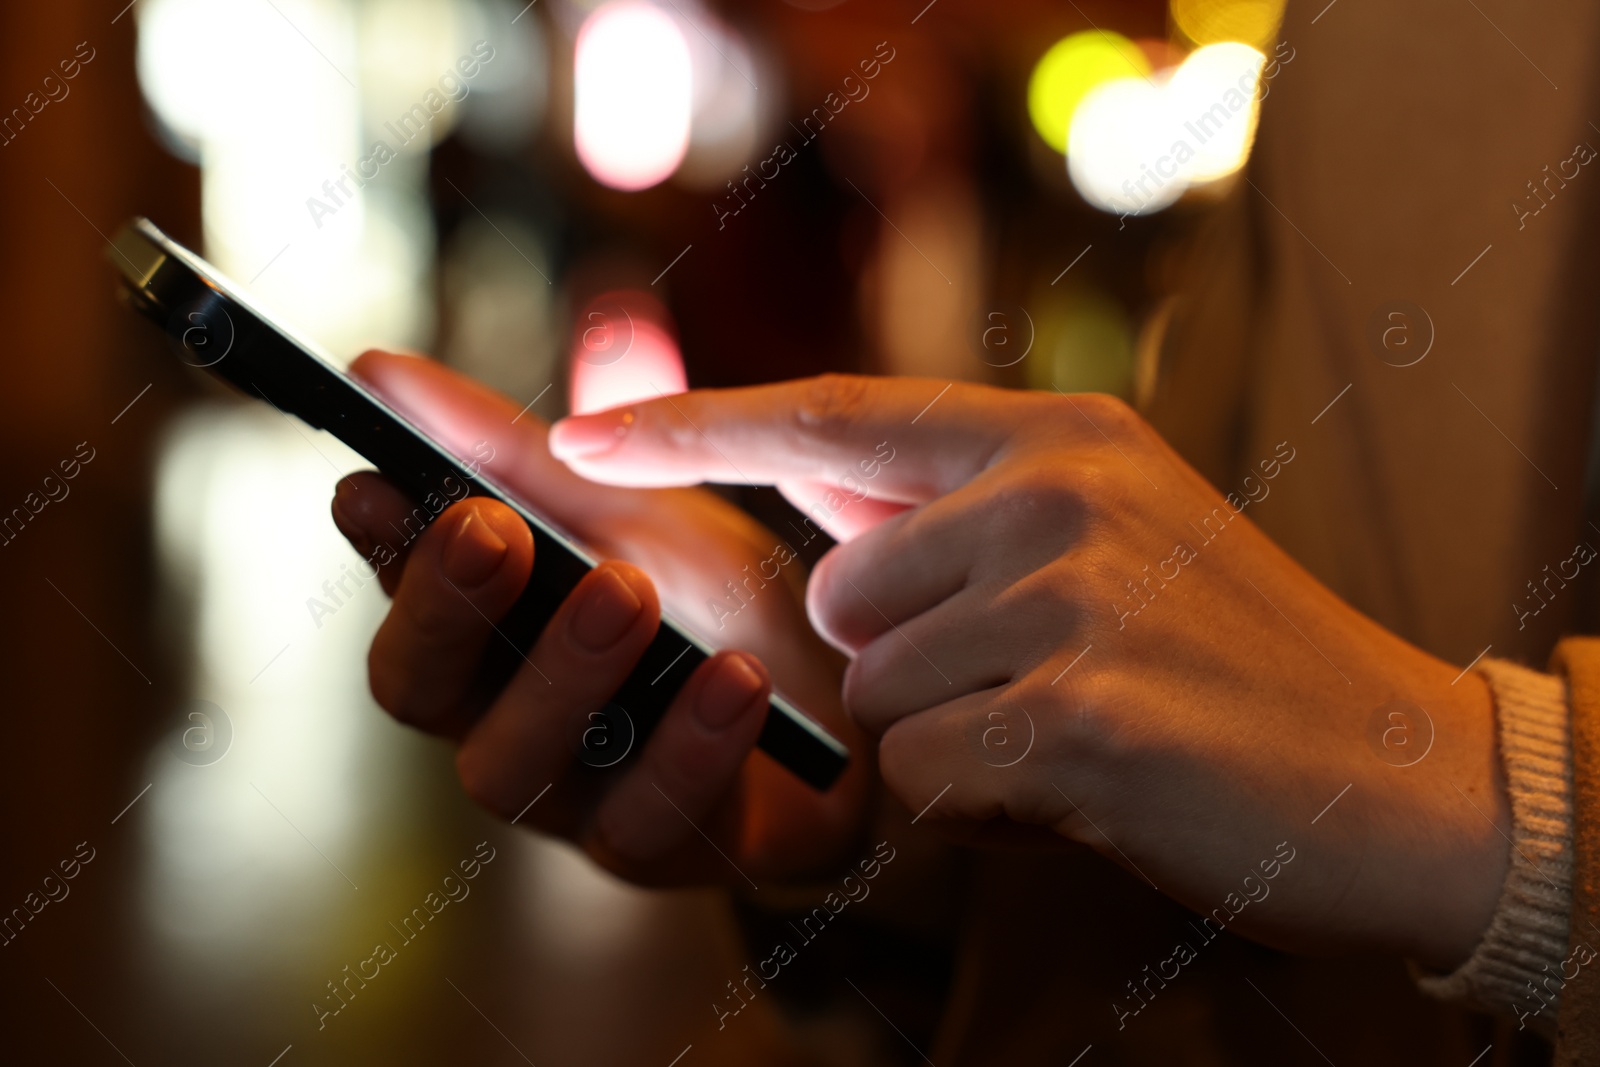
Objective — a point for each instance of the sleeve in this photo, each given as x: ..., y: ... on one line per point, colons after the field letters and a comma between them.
x: 1578, y: 660
x: 1516, y: 968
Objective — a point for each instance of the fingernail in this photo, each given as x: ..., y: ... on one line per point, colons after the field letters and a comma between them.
x: 608, y: 610
x: 473, y: 553
x: 586, y: 436
x: 728, y: 693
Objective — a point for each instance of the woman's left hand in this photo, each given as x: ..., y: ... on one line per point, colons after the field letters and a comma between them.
x: 1061, y: 631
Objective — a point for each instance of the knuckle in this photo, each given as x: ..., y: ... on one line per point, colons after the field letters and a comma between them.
x: 629, y: 844
x: 900, y: 760
x: 383, y: 692
x: 389, y: 688
x: 1050, y: 599
x: 671, y: 424
x: 1045, y: 499
x: 691, y: 767
x: 1091, y: 727
x: 833, y: 403
x: 1110, y: 415
x: 433, y: 621
x: 477, y: 778
x: 1041, y: 496
x: 915, y: 758
x: 668, y: 422
x: 606, y: 856
x: 860, y: 695
x: 1100, y: 486
x: 609, y: 848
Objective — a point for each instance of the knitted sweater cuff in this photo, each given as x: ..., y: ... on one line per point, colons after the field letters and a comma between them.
x: 1516, y: 968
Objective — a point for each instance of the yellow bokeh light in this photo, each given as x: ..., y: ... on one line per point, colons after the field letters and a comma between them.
x: 1251, y: 22
x: 1067, y: 73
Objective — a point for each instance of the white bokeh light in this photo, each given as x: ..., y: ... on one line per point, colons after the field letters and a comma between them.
x: 729, y: 109
x: 633, y: 95
x: 277, y: 103
x: 1212, y: 94
x: 1120, y: 134
x: 1138, y: 144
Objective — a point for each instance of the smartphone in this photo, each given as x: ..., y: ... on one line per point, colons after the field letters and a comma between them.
x: 214, y: 325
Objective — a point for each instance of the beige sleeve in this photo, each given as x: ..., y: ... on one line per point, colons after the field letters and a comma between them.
x: 1515, y: 969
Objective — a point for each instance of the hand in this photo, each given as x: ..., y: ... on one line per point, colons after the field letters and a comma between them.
x: 1047, y: 566
x: 698, y: 771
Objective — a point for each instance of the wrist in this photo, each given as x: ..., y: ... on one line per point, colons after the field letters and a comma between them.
x: 1473, y: 788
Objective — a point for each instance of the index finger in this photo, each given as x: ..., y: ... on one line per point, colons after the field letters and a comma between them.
x: 907, y: 439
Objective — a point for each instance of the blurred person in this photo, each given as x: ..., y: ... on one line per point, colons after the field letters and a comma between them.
x: 1210, y: 677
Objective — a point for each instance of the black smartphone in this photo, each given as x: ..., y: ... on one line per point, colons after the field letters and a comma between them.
x: 215, y: 326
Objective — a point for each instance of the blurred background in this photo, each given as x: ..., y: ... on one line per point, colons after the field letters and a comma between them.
x: 569, y: 200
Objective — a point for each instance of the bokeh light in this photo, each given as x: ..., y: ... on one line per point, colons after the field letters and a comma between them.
x: 1120, y: 152
x: 275, y: 126
x: 1072, y: 68
x: 1084, y: 344
x: 1251, y: 22
x: 1136, y: 145
x: 632, y: 93
x: 509, y: 95
x: 1213, y: 96
x: 623, y: 349
x: 729, y: 110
